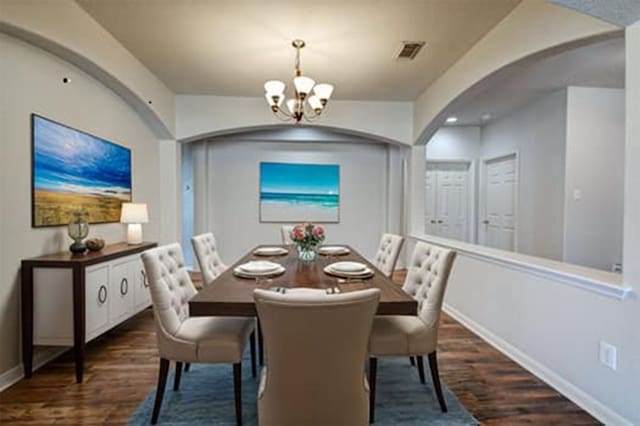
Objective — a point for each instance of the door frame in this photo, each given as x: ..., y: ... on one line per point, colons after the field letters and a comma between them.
x: 482, y: 202
x: 472, y: 210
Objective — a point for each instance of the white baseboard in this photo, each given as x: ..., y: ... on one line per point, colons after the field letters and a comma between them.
x: 40, y: 358
x: 566, y: 388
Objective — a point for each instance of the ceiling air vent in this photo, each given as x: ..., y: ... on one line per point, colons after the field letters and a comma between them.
x: 409, y: 50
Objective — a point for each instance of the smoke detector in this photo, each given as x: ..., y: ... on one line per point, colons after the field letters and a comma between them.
x: 408, y: 50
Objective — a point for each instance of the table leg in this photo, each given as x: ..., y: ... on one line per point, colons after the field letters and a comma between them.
x: 27, y: 319
x: 79, y: 326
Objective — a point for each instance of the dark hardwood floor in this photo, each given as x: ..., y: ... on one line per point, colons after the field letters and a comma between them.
x: 122, y: 365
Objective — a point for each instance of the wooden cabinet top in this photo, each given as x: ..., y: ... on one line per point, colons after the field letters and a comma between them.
x: 109, y: 252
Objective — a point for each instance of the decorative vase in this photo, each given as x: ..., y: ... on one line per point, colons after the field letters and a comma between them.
x: 78, y: 230
x: 306, y: 254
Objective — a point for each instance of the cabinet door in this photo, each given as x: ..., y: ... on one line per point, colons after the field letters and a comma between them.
x: 97, y: 294
x: 141, y: 295
x: 121, y: 287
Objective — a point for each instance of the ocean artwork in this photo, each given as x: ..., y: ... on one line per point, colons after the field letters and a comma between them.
x: 75, y: 171
x: 299, y: 192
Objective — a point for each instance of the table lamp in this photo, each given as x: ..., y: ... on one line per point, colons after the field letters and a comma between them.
x: 134, y: 214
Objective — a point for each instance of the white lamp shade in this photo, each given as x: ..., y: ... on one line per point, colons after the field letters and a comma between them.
x: 292, y: 104
x: 315, y: 103
x: 303, y: 84
x: 134, y: 213
x: 274, y: 87
x: 271, y: 102
x: 323, y: 90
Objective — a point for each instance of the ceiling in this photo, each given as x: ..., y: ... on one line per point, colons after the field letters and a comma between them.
x: 230, y: 48
x: 619, y: 12
x: 600, y: 64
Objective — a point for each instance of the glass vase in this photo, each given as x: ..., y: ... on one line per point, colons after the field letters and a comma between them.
x: 306, y: 254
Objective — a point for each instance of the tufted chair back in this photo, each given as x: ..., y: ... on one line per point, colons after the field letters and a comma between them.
x: 171, y: 289
x: 286, y: 234
x: 388, y: 252
x: 208, y: 256
x: 427, y: 276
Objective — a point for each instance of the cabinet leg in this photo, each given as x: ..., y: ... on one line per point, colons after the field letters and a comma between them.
x: 79, y: 326
x: 27, y: 319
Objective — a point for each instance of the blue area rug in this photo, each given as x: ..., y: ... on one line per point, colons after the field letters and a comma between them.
x: 206, y: 398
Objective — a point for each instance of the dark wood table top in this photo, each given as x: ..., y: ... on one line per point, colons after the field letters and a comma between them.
x: 108, y: 252
x: 229, y: 295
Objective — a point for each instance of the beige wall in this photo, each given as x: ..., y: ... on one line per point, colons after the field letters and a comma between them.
x: 31, y: 81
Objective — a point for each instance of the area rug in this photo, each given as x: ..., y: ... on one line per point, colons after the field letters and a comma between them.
x: 206, y: 398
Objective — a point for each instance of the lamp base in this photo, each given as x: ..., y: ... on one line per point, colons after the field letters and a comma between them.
x: 134, y: 233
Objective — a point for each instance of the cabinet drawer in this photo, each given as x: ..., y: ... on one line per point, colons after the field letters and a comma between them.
x: 97, y: 295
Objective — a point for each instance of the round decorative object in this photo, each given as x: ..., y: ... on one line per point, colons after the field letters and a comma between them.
x: 78, y: 230
x: 94, y: 244
x: 306, y: 254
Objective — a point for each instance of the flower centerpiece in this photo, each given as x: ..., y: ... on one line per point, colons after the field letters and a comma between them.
x: 306, y: 237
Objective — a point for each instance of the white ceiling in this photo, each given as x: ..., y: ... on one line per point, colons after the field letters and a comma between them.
x: 229, y: 48
x: 600, y: 64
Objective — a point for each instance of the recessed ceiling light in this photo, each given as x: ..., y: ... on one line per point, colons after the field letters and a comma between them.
x: 452, y: 119
x: 485, y: 117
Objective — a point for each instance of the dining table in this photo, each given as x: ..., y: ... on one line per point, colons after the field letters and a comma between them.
x: 232, y: 295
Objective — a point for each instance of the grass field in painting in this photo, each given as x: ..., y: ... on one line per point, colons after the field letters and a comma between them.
x: 54, y: 208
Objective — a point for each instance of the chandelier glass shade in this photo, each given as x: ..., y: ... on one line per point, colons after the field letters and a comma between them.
x: 309, y: 100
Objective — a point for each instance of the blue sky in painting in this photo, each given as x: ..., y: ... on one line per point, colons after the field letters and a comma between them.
x: 66, y: 160
x: 299, y: 178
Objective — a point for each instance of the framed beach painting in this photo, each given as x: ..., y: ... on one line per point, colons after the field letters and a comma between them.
x: 299, y: 192
x: 74, y: 171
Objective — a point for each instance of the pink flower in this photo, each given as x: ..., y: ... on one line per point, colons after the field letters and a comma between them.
x: 318, y: 232
x: 297, y: 233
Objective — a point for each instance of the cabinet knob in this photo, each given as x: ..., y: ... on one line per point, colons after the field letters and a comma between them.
x: 102, y: 294
x: 485, y: 222
x: 433, y: 221
x: 440, y: 221
x: 145, y: 283
x: 124, y: 286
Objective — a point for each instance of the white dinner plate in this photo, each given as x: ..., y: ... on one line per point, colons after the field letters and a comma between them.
x: 333, y: 250
x: 351, y: 267
x: 270, y: 251
x: 366, y: 273
x: 258, y: 267
x: 244, y: 274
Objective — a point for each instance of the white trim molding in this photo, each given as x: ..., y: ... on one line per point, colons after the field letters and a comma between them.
x: 585, y: 401
x: 601, y: 282
x: 42, y: 357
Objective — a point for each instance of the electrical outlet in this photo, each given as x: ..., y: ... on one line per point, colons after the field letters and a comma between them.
x: 608, y: 355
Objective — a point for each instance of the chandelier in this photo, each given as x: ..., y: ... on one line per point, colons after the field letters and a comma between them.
x: 304, y: 104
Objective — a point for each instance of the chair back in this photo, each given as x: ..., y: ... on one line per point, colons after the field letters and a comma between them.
x: 388, y: 252
x: 171, y: 289
x: 285, y: 232
x: 427, y: 278
x: 316, y: 346
x: 208, y: 256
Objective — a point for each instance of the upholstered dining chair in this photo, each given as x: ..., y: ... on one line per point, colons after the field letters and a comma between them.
x: 186, y: 339
x: 388, y: 252
x: 285, y: 232
x: 316, y: 349
x: 208, y: 257
x: 415, y: 336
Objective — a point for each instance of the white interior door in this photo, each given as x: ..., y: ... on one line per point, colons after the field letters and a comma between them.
x: 447, y: 198
x: 498, y: 227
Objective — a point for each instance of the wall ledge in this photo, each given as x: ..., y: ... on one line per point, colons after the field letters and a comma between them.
x: 602, y: 282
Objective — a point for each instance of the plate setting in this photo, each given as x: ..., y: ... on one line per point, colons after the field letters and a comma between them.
x: 258, y: 268
x: 349, y: 270
x: 333, y: 250
x: 270, y: 251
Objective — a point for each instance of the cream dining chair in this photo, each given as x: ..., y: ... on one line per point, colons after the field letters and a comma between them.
x: 388, y: 252
x: 186, y: 339
x: 316, y: 349
x: 208, y: 257
x: 415, y: 336
x: 285, y: 233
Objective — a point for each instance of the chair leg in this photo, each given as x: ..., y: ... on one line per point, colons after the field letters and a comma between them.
x: 412, y: 360
x: 373, y: 371
x: 260, y: 345
x: 252, y: 342
x: 435, y: 375
x: 176, y: 379
x: 420, y: 368
x: 237, y: 386
x: 187, y: 367
x: 162, y: 381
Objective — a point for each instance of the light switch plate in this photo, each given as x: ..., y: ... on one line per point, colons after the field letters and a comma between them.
x: 608, y: 355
